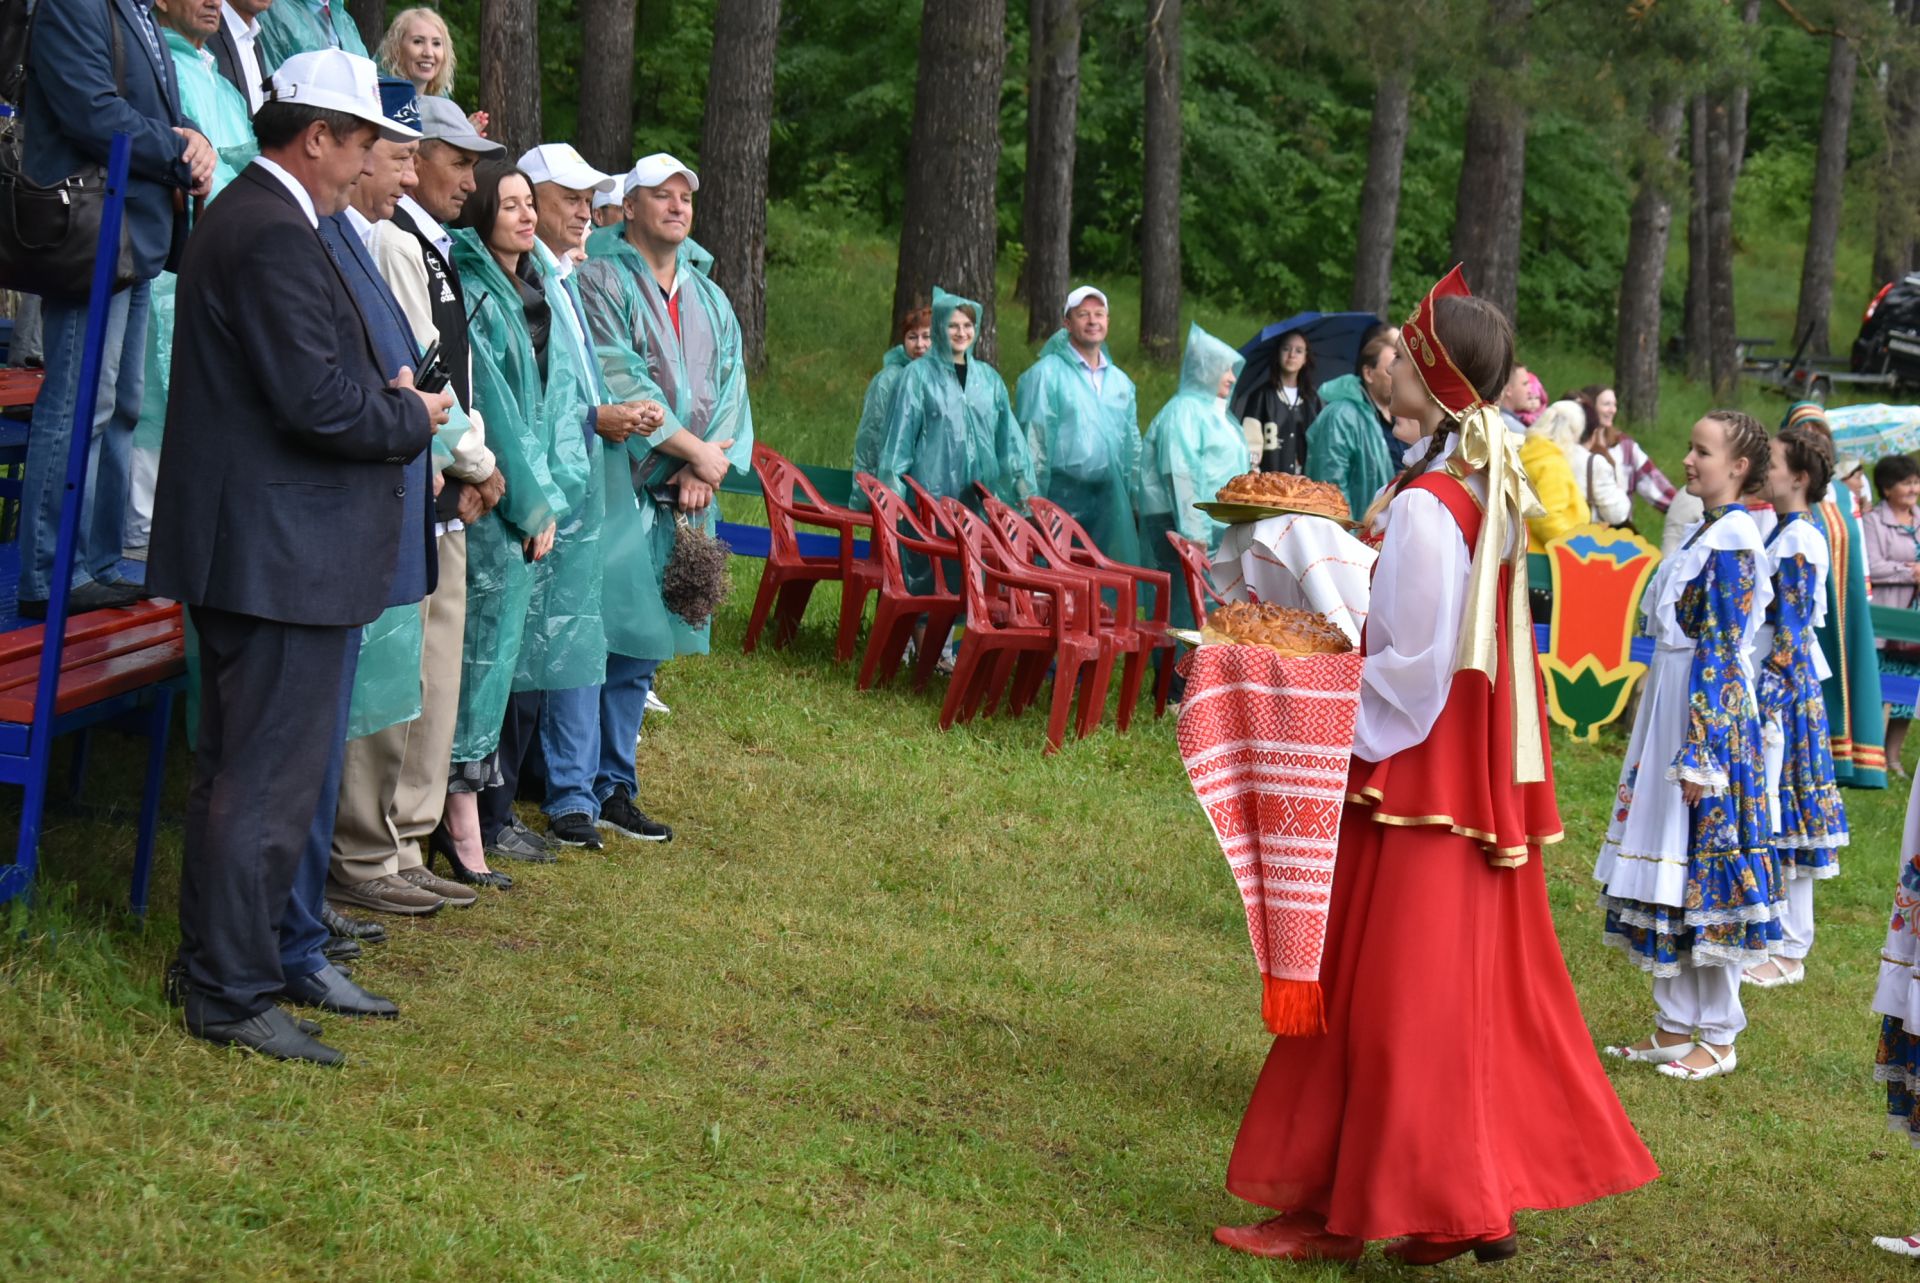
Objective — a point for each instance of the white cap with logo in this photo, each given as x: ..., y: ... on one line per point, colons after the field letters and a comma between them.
x: 1081, y: 295
x: 334, y: 80
x: 651, y: 171
x: 560, y: 164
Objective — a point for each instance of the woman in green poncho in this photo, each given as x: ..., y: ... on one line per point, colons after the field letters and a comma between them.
x: 952, y: 425
x: 916, y: 336
x: 537, y: 444
x: 1193, y: 448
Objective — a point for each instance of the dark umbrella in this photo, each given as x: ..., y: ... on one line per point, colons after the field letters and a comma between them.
x: 1334, y: 338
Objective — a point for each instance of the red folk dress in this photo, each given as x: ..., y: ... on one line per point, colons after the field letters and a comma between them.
x: 1456, y: 1082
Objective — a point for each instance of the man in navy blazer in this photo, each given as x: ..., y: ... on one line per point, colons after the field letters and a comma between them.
x: 96, y: 68
x: 280, y: 519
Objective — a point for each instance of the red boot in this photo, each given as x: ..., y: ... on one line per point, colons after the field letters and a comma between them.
x: 1296, y: 1237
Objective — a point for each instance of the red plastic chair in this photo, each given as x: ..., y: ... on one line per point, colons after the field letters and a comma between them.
x: 1070, y: 541
x: 1064, y: 639
x: 1199, y: 571
x: 788, y: 579
x: 897, y: 609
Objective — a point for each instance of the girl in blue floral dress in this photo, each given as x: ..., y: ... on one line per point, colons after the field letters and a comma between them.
x: 1688, y: 868
x: 1809, y: 820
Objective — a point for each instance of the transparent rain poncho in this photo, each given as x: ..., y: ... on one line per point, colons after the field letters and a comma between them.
x: 697, y: 373
x: 872, y: 432
x: 295, y: 26
x: 1085, y: 443
x: 1193, y: 448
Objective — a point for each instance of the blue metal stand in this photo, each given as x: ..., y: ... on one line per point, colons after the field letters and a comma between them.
x: 26, y: 752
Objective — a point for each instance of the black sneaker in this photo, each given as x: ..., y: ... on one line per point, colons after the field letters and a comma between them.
x: 575, y: 828
x: 620, y: 814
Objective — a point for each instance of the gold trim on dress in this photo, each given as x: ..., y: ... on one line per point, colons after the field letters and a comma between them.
x: 1511, y: 857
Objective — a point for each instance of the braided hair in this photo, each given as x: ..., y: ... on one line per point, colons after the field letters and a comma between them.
x: 1811, y: 452
x: 1746, y: 439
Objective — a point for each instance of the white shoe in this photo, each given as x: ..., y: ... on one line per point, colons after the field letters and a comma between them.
x: 1908, y: 1246
x: 1720, y: 1068
x: 654, y: 705
x: 1780, y: 980
x: 1655, y: 1055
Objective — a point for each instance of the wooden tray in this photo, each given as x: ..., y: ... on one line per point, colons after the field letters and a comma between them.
x: 1236, y: 514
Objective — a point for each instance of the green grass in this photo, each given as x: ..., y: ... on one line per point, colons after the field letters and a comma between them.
x: 893, y: 1005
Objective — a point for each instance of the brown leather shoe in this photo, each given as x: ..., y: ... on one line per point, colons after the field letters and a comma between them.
x: 1290, y: 1238
x: 460, y: 897
x: 383, y: 895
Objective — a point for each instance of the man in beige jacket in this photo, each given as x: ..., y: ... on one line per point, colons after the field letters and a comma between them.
x: 394, y: 785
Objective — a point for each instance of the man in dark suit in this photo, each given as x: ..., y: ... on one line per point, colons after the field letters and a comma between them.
x: 278, y: 521
x: 233, y: 48
x: 93, y: 70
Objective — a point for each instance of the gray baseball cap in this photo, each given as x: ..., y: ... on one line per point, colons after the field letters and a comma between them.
x: 442, y: 120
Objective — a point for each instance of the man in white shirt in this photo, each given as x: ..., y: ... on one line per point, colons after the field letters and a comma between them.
x: 564, y: 186
x: 234, y: 47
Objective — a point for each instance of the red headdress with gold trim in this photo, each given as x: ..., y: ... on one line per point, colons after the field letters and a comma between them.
x: 1431, y: 360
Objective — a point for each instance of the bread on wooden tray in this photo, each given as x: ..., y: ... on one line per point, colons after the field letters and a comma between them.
x: 1285, y: 490
x: 1281, y: 628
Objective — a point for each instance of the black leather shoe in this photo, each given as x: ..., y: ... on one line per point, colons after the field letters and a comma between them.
x: 271, y: 1033
x: 340, y: 949
x: 351, y: 928
x: 328, y: 990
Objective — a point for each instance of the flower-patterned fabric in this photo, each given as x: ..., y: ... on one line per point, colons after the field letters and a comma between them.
x: 1813, y: 819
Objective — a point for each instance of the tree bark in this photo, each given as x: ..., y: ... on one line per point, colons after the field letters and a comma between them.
x: 371, y: 17
x: 1737, y: 113
x: 606, y: 91
x: 510, y: 72
x: 1699, y: 318
x: 1160, y: 212
x: 1636, y: 357
x: 1493, y: 169
x: 1053, y: 111
x: 733, y: 159
x: 1823, y: 221
x: 1380, y: 196
x: 1723, y: 359
x: 949, y: 233
x: 1893, y: 224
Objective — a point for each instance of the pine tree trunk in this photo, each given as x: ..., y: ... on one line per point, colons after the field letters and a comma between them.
x: 1380, y: 196
x: 1493, y: 169
x: 1893, y: 226
x: 1160, y: 213
x: 510, y: 72
x: 733, y: 162
x: 1737, y: 113
x: 1053, y: 111
x: 606, y: 91
x: 1699, y: 322
x: 949, y: 233
x: 1823, y: 222
x: 370, y: 16
x: 1723, y: 357
x: 1636, y: 357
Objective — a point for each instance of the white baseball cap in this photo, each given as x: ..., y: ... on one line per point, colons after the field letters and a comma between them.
x: 651, y: 171
x: 606, y: 199
x: 335, y: 80
x: 560, y: 164
x: 1080, y: 296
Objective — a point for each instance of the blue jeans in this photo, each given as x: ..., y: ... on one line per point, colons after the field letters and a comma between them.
x: 623, y: 707
x: 570, y: 738
x: 303, y: 934
x: 97, y: 547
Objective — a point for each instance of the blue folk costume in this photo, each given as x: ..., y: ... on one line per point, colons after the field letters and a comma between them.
x: 1697, y: 885
x: 1811, y: 823
x: 1896, y: 998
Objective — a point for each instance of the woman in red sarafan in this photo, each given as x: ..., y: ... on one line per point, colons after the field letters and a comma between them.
x: 1455, y: 1082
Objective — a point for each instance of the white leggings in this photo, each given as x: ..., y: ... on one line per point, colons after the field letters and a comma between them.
x: 1701, y: 998
x: 1796, y: 919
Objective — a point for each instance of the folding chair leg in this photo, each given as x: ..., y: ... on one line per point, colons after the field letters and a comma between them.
x: 762, y: 605
x: 1064, y: 675
x: 963, y: 675
x: 1130, y: 676
x: 1093, y: 694
x: 853, y: 608
x: 159, y: 722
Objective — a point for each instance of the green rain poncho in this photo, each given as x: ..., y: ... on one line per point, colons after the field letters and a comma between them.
x: 1345, y: 446
x: 872, y: 432
x: 289, y: 27
x: 696, y: 371
x: 564, y: 644
x: 536, y: 443
x: 1193, y: 448
x: 1086, y: 444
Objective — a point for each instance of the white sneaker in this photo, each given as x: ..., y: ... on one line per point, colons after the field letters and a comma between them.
x: 654, y: 705
x: 1908, y: 1246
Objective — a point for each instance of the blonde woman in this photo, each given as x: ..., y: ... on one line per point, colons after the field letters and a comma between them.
x: 418, y: 47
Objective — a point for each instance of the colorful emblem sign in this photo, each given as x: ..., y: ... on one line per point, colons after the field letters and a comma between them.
x: 1598, y: 576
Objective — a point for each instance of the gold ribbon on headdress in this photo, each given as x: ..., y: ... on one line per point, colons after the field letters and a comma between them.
x: 1486, y: 446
